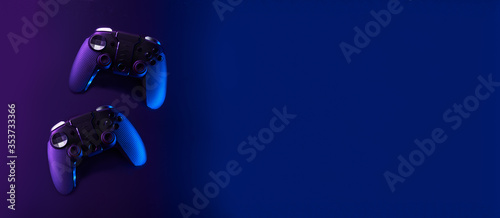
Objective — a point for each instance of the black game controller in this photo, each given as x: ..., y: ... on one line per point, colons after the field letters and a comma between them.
x: 87, y: 135
x: 139, y: 57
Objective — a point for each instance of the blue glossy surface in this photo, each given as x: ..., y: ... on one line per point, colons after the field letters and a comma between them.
x: 130, y: 142
x: 156, y: 84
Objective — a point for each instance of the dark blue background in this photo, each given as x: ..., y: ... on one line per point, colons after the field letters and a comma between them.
x: 225, y: 77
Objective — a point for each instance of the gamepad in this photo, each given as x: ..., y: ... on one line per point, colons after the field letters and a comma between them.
x: 88, y: 135
x: 125, y: 54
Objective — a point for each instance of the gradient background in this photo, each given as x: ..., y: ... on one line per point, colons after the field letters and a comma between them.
x: 225, y: 77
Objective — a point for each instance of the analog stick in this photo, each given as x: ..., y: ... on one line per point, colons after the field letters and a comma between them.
x: 74, y: 151
x: 104, y: 60
x: 139, y: 68
x: 108, y: 138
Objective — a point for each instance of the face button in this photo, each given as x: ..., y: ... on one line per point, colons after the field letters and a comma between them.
x: 59, y: 140
x: 104, y: 107
x: 104, y: 60
x: 155, y: 50
x: 104, y: 29
x: 104, y: 123
x: 159, y: 57
x: 152, y: 62
x: 119, y: 118
x: 74, y: 151
x: 116, y: 126
x: 107, y: 123
x: 148, y: 55
x: 97, y: 42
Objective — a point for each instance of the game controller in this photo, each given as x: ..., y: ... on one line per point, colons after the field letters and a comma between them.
x: 139, y: 57
x: 88, y: 135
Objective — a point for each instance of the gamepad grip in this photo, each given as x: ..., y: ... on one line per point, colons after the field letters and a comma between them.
x: 62, y: 169
x: 130, y: 142
x: 155, y: 83
x: 84, y: 68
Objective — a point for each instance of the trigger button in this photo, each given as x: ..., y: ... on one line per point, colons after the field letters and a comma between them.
x: 104, y: 29
x: 61, y: 123
x: 104, y: 107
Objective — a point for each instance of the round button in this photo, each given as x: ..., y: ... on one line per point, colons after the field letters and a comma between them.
x: 92, y: 148
x: 152, y: 62
x: 107, y: 123
x: 148, y: 55
x: 97, y: 42
x: 155, y: 50
x: 159, y: 57
x: 121, y: 67
x: 59, y: 140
